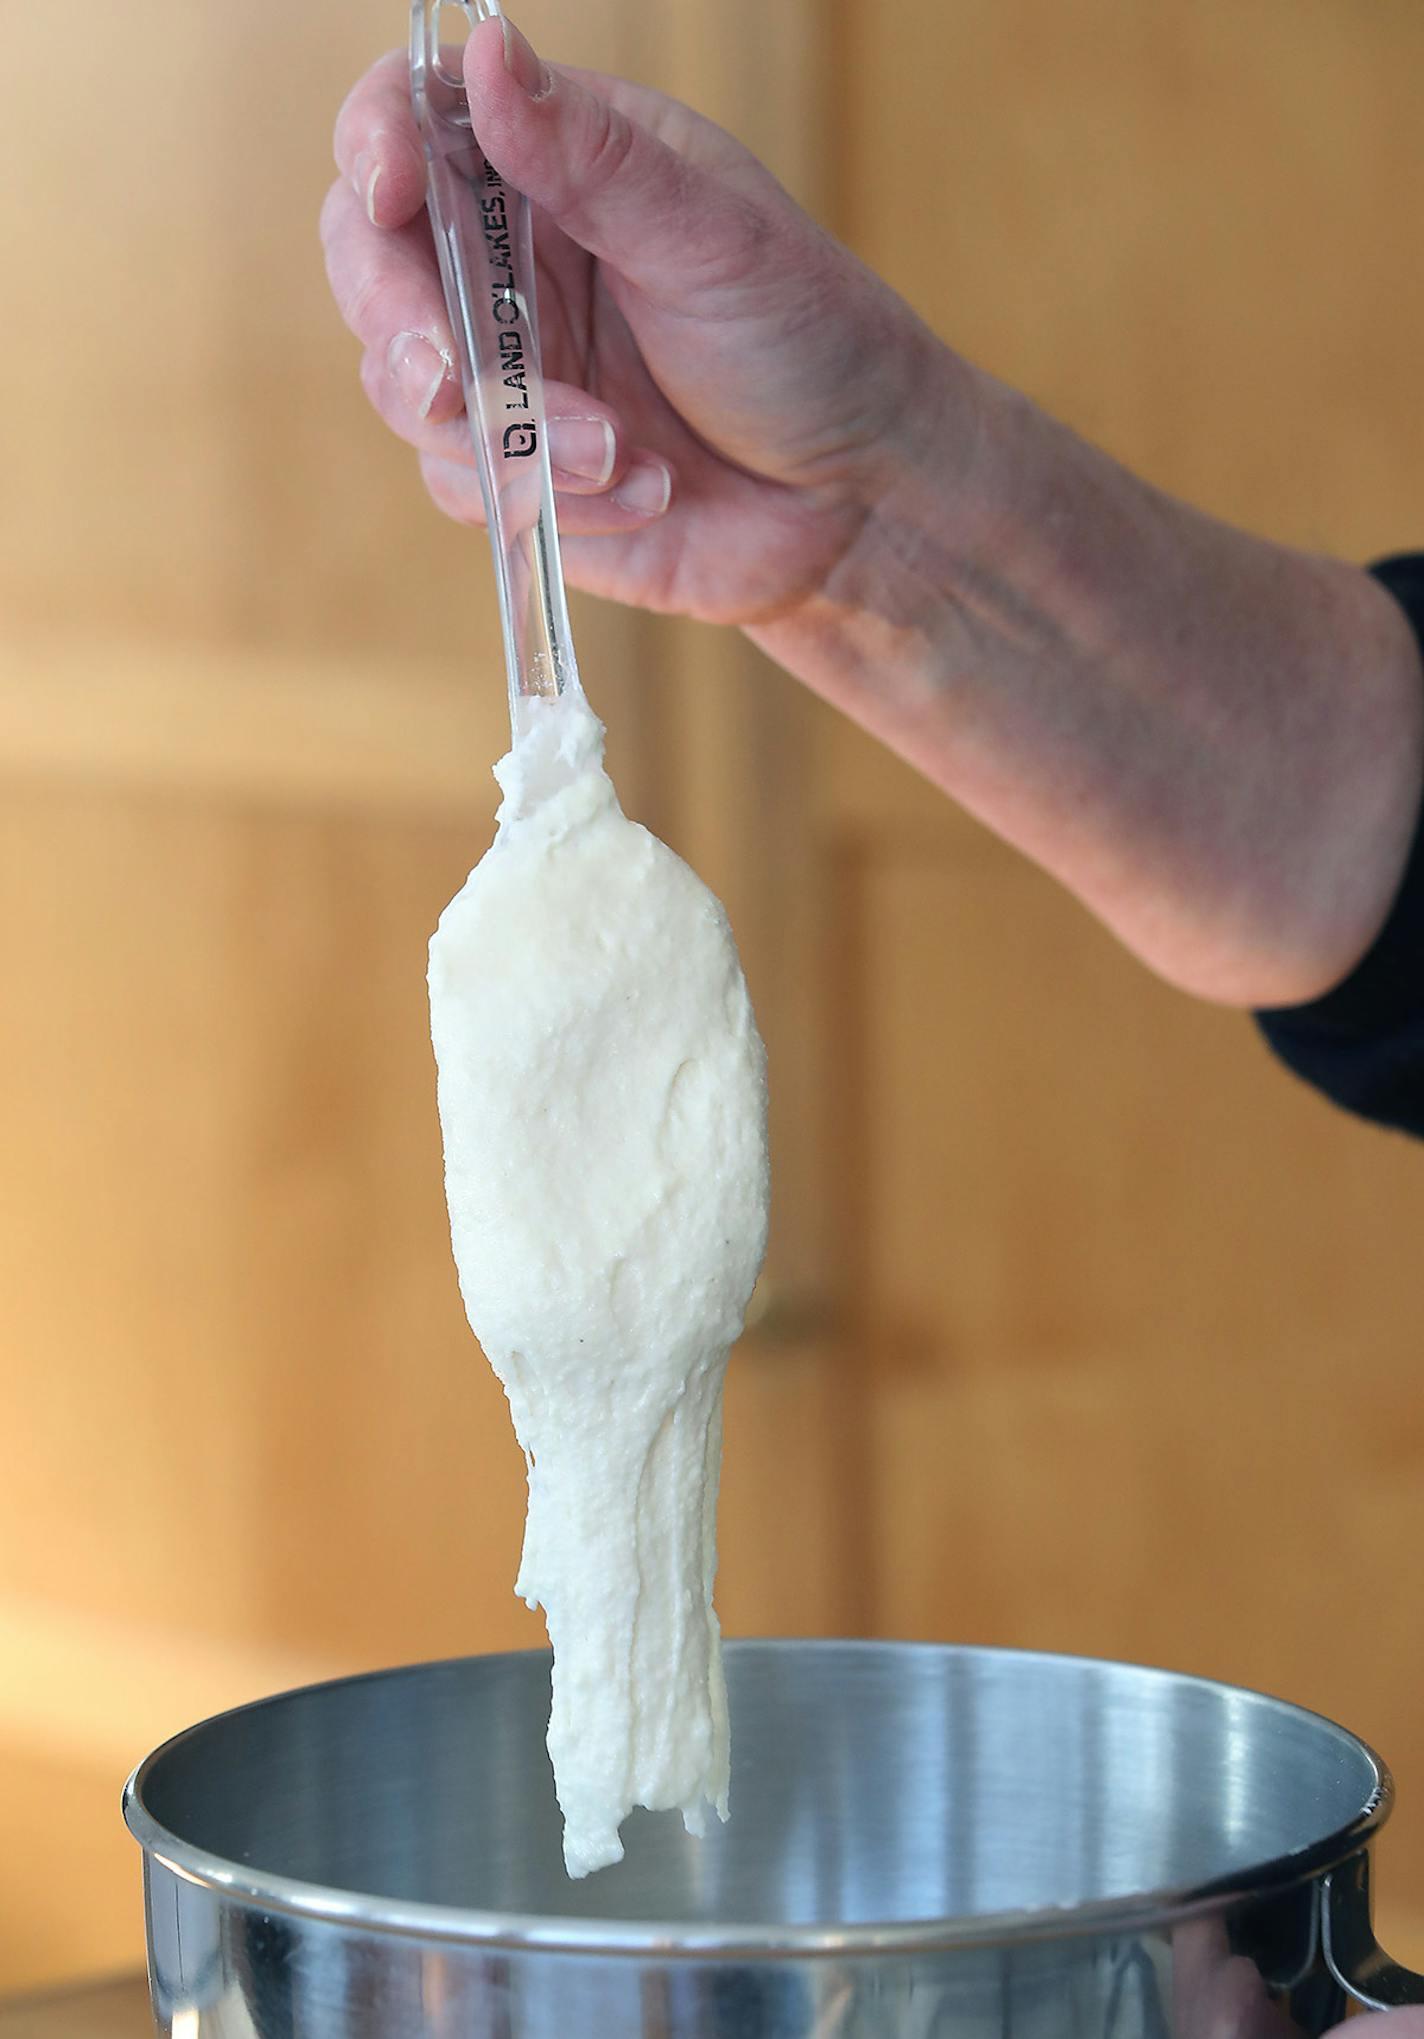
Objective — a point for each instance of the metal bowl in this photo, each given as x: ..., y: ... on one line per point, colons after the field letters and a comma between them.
x: 925, y: 1843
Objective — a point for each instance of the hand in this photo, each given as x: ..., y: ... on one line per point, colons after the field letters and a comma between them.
x: 1220, y: 1995
x: 726, y: 384
x: 1216, y: 743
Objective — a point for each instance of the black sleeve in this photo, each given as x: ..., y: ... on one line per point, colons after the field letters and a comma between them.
x: 1363, y: 1042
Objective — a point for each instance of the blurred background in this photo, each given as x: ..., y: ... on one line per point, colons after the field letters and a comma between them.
x: 1085, y: 1327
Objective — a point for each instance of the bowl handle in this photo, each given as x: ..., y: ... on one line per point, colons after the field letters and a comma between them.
x: 1352, y: 1953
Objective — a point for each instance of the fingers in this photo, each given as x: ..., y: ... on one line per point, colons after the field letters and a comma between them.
x: 377, y: 148
x: 586, y: 444
x: 640, y: 495
x: 608, y: 181
x: 387, y: 288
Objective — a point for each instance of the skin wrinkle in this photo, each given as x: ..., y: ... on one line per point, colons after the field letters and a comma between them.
x: 739, y: 231
x: 847, y: 437
x: 616, y: 142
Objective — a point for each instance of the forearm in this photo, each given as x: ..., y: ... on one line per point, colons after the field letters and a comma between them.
x: 1217, y: 743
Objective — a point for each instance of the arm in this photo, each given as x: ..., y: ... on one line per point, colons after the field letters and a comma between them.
x: 1215, y: 742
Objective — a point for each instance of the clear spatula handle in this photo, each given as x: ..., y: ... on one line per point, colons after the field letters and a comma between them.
x: 485, y: 241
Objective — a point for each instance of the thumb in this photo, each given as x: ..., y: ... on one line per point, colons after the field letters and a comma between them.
x: 608, y: 182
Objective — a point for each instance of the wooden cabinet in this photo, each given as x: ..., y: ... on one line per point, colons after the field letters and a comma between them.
x: 1083, y: 1326
x: 110, y: 2011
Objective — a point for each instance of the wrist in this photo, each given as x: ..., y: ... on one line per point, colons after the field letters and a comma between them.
x: 939, y: 626
x: 873, y: 636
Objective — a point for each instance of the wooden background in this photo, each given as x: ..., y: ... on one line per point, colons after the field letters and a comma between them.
x: 1084, y: 1326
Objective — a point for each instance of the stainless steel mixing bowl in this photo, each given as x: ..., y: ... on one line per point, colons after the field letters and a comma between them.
x: 926, y: 1843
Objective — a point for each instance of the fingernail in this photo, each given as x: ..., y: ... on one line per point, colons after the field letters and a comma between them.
x: 366, y: 175
x: 584, y: 447
x: 420, y: 371
x: 646, y: 489
x: 521, y: 63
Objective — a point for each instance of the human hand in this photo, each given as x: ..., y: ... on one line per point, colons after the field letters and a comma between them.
x: 726, y: 385
x: 1220, y: 1995
x: 1215, y: 743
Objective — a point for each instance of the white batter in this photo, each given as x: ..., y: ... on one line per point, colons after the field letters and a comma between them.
x: 603, y: 1099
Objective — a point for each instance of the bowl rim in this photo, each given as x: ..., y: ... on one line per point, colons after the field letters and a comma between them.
x: 240, y: 1884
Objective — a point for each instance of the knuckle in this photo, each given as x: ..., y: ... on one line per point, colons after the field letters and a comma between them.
x: 331, y: 212
x: 448, y: 488
x: 730, y: 240
x: 360, y: 300
x: 375, y: 380
x: 343, y: 134
x: 742, y: 236
x: 753, y: 230
x: 362, y: 103
x: 611, y: 142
